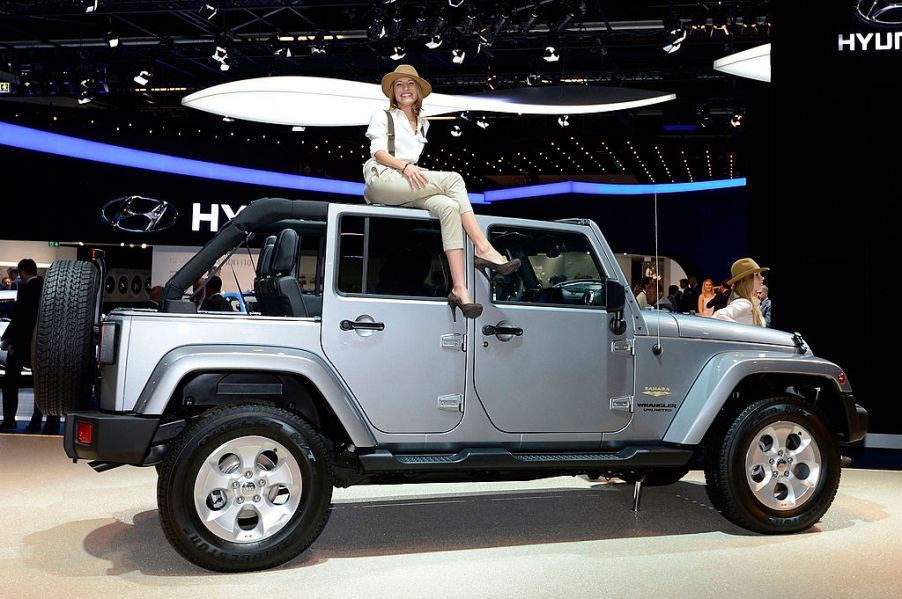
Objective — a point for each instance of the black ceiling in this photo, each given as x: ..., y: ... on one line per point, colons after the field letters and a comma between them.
x: 49, y: 48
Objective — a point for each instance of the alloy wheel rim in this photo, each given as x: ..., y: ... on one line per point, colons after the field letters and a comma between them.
x: 248, y: 489
x: 783, y: 465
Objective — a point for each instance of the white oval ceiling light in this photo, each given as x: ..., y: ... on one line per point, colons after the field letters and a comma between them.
x: 325, y: 102
x: 753, y: 63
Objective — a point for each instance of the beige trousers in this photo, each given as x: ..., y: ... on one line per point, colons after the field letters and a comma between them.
x: 445, y: 196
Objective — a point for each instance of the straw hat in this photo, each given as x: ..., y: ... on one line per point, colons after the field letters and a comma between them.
x: 744, y: 267
x: 404, y: 70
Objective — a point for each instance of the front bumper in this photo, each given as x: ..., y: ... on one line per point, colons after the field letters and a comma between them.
x: 856, y: 416
x: 116, y: 438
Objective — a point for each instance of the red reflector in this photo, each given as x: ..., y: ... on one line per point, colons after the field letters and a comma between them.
x: 84, y: 432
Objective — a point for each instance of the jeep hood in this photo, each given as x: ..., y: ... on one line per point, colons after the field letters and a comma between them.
x: 697, y: 327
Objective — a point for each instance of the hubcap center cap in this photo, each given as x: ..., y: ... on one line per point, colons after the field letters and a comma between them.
x: 248, y: 488
x: 782, y: 466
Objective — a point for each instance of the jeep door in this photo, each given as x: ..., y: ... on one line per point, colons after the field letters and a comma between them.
x: 386, y: 326
x: 546, y: 360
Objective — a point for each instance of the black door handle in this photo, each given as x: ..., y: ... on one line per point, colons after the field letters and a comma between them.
x: 351, y: 325
x: 493, y: 330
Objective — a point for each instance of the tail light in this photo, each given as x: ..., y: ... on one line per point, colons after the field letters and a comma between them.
x: 109, y: 337
x: 84, y: 432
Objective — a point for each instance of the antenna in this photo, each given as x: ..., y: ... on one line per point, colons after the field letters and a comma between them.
x: 657, y: 349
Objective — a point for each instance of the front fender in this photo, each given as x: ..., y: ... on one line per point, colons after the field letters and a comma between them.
x: 723, y: 373
x: 179, y: 362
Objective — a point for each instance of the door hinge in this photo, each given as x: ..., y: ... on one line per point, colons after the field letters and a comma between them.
x: 451, y: 403
x: 622, y: 404
x: 623, y: 346
x: 456, y: 341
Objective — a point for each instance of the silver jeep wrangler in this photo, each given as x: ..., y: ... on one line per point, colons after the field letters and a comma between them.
x: 251, y: 419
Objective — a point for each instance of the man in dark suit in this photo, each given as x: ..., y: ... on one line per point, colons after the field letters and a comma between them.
x: 17, y: 341
x: 214, y: 302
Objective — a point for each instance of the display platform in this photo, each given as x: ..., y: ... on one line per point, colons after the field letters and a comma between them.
x: 69, y: 530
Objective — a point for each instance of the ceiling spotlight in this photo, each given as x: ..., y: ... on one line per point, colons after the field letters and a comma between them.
x: 143, y: 78
x: 551, y: 55
x: 376, y: 30
x: 298, y: 128
x: 455, y: 3
x: 228, y: 119
x: 220, y: 54
x: 465, y: 115
x: 91, y: 5
x: 208, y: 11
x: 399, y: 53
x: 532, y: 79
x: 224, y: 65
x: 85, y: 97
x: 675, y: 39
x: 434, y: 42
x: 318, y: 46
x: 482, y: 123
x: 112, y: 39
x: 456, y: 131
x: 736, y: 120
x: 458, y: 55
x: 563, y: 120
x: 529, y: 20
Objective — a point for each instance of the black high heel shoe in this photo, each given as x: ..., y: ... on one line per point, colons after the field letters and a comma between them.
x: 469, y: 310
x: 502, y: 269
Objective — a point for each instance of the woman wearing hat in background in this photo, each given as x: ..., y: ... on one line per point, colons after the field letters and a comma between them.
x: 743, y: 306
x: 397, y: 137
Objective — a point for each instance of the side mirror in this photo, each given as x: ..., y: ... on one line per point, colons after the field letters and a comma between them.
x: 615, y: 296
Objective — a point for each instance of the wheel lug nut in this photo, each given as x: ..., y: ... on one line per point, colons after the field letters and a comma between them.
x: 256, y: 498
x: 780, y: 452
x: 235, y: 485
x: 249, y: 474
x: 772, y: 460
x: 240, y: 500
x: 789, y: 460
x: 775, y: 473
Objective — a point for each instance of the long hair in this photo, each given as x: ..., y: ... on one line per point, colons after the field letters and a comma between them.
x: 744, y: 288
x: 417, y: 106
x: 713, y: 293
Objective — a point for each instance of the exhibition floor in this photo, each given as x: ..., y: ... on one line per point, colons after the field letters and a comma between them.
x: 68, y: 531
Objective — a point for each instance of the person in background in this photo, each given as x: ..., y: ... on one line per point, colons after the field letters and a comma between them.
x: 674, y: 295
x: 15, y: 279
x: 689, y: 299
x: 743, y: 306
x: 706, y: 296
x: 642, y: 295
x: 721, y: 296
x: 213, y: 300
x: 6, y: 283
x: 16, y: 341
x: 397, y: 138
x: 764, y: 298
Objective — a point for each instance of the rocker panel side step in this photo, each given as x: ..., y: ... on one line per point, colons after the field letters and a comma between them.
x: 494, y: 458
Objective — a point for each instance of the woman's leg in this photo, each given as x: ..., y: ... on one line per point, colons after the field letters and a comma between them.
x: 448, y: 214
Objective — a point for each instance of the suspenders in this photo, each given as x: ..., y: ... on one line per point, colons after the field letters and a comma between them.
x: 391, y: 133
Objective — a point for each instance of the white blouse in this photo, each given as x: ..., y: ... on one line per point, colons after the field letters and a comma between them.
x: 739, y: 310
x: 408, y: 145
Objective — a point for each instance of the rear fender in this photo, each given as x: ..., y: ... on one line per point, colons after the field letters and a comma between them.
x: 182, y: 361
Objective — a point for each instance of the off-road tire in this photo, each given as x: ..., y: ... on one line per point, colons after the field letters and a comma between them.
x: 63, y: 358
x: 729, y: 484
x: 182, y: 469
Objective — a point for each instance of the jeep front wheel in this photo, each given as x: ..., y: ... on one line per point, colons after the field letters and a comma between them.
x: 247, y: 487
x: 776, y: 468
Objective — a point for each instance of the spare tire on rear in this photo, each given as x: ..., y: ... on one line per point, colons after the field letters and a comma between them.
x: 64, y: 359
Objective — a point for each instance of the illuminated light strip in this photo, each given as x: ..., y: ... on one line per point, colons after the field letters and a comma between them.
x: 62, y: 145
x: 576, y: 187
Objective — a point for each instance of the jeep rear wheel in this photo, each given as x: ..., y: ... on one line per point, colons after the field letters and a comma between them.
x: 64, y: 349
x: 247, y: 487
x: 776, y: 468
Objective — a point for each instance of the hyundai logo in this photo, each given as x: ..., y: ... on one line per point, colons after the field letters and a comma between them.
x: 137, y: 214
x: 879, y: 12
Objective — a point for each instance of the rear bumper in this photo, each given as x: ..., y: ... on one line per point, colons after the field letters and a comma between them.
x: 857, y: 418
x: 118, y: 438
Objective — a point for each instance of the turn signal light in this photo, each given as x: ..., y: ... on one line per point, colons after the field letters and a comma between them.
x: 842, y: 378
x: 84, y: 433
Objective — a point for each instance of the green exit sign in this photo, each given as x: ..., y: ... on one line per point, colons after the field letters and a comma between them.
x: 4, y: 87
x: 53, y: 244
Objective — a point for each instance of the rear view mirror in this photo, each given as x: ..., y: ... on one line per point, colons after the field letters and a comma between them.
x: 615, y: 295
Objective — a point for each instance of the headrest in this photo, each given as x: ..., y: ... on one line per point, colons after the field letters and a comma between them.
x: 264, y: 264
x: 285, y: 252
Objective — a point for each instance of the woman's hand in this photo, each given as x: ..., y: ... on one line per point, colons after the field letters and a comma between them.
x: 415, y: 176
